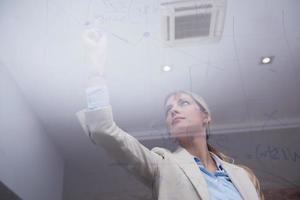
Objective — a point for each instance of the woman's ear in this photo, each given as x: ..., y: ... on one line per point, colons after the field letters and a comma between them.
x: 207, y: 119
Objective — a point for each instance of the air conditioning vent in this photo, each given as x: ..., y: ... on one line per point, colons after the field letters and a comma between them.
x: 192, y: 22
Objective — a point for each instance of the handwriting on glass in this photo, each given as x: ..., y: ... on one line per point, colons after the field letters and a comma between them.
x: 276, y: 153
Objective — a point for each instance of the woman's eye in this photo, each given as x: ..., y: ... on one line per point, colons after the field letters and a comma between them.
x: 185, y: 103
x: 167, y: 111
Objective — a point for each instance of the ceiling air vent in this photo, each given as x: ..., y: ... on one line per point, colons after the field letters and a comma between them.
x: 192, y: 22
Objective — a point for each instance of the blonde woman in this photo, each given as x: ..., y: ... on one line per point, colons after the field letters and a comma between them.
x: 194, y: 171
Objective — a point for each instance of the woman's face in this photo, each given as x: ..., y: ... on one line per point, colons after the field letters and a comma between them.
x: 184, y: 117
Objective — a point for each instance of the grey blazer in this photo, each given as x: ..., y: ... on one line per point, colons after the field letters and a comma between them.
x: 172, y: 176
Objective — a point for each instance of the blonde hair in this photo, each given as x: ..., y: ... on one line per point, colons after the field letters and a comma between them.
x: 204, y: 107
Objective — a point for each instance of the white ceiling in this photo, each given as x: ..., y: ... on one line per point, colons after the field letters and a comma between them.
x: 42, y: 48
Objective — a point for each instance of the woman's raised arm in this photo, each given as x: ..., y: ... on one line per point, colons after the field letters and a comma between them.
x: 98, y: 123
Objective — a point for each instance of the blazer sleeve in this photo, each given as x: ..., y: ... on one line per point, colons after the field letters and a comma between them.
x: 127, y: 150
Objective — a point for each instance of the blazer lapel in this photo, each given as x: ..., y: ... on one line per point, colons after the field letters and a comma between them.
x: 186, y: 162
x: 240, y: 181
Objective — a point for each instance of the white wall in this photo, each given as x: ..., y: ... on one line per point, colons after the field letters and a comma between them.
x: 29, y: 163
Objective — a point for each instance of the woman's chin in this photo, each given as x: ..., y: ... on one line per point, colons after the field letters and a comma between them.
x: 184, y: 131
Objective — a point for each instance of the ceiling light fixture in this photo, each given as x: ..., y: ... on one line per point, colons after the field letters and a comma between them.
x: 267, y: 59
x: 166, y: 68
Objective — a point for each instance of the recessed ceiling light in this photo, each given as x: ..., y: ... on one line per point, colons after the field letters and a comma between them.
x: 267, y: 59
x: 166, y: 68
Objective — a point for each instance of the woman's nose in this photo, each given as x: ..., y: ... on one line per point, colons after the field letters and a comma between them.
x: 174, y: 111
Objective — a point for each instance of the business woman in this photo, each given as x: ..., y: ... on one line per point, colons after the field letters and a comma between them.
x: 194, y: 171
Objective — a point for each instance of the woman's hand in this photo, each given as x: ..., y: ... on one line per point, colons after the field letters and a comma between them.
x: 95, y: 43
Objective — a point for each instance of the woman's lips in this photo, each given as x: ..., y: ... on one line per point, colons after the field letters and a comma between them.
x: 176, y: 120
